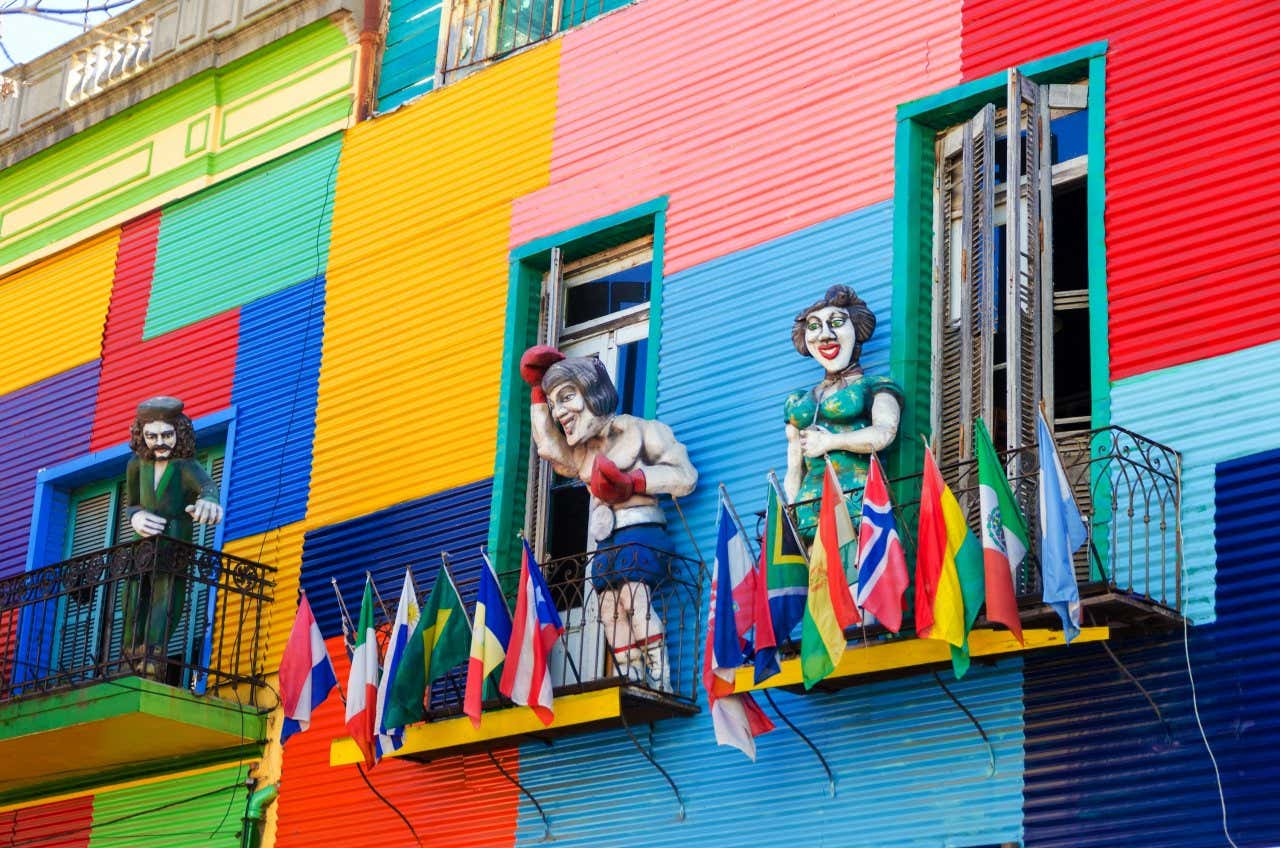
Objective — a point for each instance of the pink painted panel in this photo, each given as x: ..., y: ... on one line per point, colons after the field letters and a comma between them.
x: 755, y: 119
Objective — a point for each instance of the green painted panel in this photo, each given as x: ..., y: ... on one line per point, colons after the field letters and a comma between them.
x: 249, y: 237
x: 196, y: 809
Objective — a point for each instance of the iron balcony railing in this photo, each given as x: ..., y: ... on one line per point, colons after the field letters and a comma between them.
x: 1129, y: 490
x: 483, y: 30
x: 595, y: 594
x: 173, y: 612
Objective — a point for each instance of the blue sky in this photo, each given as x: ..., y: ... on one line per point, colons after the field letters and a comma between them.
x: 26, y: 36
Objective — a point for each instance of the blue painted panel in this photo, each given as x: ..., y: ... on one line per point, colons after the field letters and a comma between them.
x: 1103, y: 770
x: 277, y: 370
x: 912, y: 769
x: 1244, y: 389
x: 409, y: 61
x: 40, y: 425
x: 410, y: 534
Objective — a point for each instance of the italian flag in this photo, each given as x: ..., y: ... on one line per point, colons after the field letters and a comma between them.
x: 362, y: 684
x: 829, y: 608
x: 1005, y: 540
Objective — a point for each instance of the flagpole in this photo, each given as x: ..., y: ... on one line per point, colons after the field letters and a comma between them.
x: 448, y: 573
x: 733, y: 513
x: 347, y: 627
x: 786, y: 516
x: 369, y: 576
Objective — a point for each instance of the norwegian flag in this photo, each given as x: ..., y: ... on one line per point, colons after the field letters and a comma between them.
x: 882, y: 567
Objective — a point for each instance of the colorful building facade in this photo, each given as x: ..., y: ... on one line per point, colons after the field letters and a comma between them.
x: 328, y: 227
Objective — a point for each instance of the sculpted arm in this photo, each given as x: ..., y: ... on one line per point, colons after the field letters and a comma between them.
x: 552, y: 445
x: 665, y: 462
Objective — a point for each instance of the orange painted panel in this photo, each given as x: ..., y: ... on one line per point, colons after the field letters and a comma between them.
x: 457, y: 802
x: 756, y: 119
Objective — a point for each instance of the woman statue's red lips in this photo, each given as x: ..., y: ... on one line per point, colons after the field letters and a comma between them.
x: 829, y: 351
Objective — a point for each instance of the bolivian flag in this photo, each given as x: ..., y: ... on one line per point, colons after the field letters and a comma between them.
x: 949, y: 578
x: 829, y: 608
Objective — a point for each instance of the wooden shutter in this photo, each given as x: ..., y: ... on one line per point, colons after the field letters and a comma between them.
x: 92, y: 527
x: 538, y: 492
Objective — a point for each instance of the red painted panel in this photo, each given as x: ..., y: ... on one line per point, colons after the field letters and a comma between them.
x: 756, y: 119
x: 61, y: 824
x: 195, y: 363
x: 1193, y: 111
x: 457, y: 802
x: 8, y: 644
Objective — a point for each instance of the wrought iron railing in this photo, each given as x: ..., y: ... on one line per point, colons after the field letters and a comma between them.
x: 157, y: 608
x: 1128, y: 488
x: 608, y: 639
x: 483, y: 30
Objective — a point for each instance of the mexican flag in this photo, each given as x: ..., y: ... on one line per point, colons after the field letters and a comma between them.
x: 1005, y: 540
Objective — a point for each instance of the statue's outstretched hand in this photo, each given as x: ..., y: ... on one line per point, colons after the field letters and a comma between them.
x: 611, y: 484
x: 205, y: 512
x: 147, y: 524
x: 534, y: 363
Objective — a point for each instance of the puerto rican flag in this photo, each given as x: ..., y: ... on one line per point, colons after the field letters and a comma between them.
x: 535, y: 627
x: 306, y: 672
x: 882, y: 567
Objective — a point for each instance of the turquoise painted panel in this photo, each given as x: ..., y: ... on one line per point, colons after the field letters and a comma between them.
x: 244, y: 239
x: 912, y: 770
x: 1212, y: 410
x: 409, y: 61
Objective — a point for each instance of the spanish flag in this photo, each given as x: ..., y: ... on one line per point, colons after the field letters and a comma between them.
x: 830, y: 607
x: 949, y: 577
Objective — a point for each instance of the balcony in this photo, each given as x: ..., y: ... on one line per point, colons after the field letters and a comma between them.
x: 130, y: 656
x: 1129, y: 570
x: 592, y: 691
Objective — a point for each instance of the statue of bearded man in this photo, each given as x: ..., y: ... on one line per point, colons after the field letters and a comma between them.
x: 626, y: 463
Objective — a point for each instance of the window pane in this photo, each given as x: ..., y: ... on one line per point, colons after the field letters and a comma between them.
x: 630, y: 379
x: 1069, y: 136
x: 608, y: 294
x: 523, y: 22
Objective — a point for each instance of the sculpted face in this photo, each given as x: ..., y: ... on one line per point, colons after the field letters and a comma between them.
x: 161, y: 438
x: 829, y: 337
x: 569, y: 408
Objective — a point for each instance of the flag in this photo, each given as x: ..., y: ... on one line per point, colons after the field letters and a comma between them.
x: 535, y: 627
x: 306, y: 672
x: 1004, y: 533
x: 882, y: 565
x: 1062, y: 532
x: 489, y: 638
x: 439, y: 642
x: 781, y: 586
x: 391, y: 733
x: 829, y: 607
x: 362, y: 683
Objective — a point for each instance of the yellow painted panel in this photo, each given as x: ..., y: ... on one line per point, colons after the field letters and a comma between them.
x: 506, y: 723
x: 909, y: 653
x: 52, y: 312
x: 416, y: 289
x: 281, y: 549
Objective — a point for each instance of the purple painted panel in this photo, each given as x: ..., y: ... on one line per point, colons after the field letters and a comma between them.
x: 61, y: 410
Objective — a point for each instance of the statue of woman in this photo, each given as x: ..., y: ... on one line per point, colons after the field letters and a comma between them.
x: 847, y: 416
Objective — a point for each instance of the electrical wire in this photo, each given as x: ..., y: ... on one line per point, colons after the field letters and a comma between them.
x: 1195, y: 709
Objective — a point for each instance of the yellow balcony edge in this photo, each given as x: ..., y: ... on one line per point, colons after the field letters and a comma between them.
x: 909, y: 653
x: 570, y: 710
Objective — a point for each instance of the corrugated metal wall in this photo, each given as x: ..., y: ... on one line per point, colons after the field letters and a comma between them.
x: 281, y: 549
x: 201, y: 808
x: 779, y: 122
x: 195, y: 363
x: 409, y: 60
x: 40, y: 425
x: 75, y: 286
x: 1103, y: 770
x: 277, y: 367
x: 1190, y: 262
x: 426, y: 335
x: 249, y: 237
x: 457, y: 802
x: 60, y: 824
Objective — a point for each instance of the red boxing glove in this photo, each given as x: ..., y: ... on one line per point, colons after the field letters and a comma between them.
x: 613, y: 485
x: 534, y: 364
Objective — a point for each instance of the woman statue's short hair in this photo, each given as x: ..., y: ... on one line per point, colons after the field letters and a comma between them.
x: 590, y: 376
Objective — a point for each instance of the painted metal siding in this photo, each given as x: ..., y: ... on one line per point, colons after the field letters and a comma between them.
x: 778, y: 121
x: 277, y: 366
x: 195, y: 363
x: 202, y: 808
x: 1103, y: 770
x: 60, y: 824
x: 409, y: 60
x: 456, y: 802
x: 247, y: 238
x: 51, y: 313
x: 1245, y: 391
x: 417, y: 283
x: 1191, y: 109
x: 280, y: 548
x: 60, y: 409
